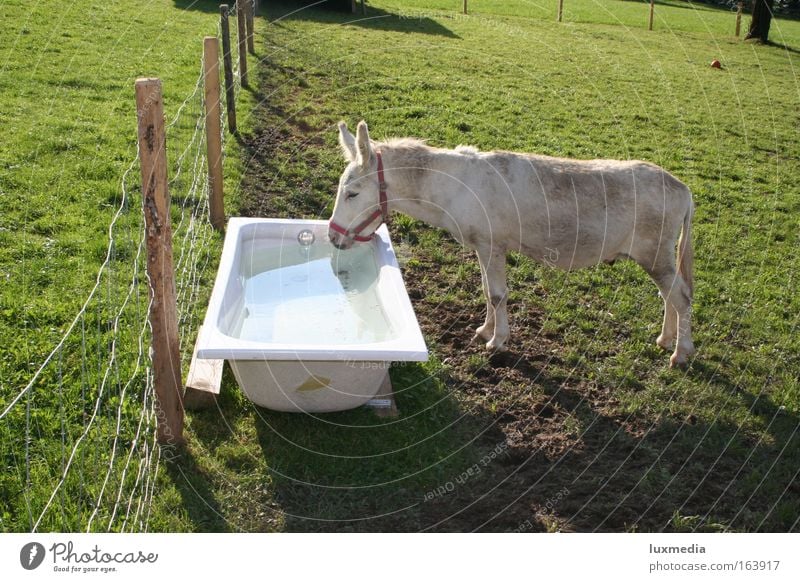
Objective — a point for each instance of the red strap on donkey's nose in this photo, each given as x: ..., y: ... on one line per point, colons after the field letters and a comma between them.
x: 356, y: 236
x: 382, y: 212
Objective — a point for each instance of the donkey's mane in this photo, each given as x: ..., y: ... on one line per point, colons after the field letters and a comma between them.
x: 412, y: 145
x: 406, y: 143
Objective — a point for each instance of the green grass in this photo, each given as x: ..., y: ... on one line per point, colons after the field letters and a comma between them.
x: 583, y: 426
x: 669, y: 15
x: 714, y: 447
x: 67, y: 108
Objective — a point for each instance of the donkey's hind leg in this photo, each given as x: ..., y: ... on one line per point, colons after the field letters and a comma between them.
x: 669, y: 329
x: 677, y: 300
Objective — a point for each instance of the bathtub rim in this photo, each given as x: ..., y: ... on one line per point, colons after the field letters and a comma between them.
x: 409, y: 345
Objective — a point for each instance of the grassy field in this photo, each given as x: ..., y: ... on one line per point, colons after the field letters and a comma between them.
x: 70, y: 233
x: 581, y: 426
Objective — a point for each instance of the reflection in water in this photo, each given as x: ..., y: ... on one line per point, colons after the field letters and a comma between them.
x: 309, y: 295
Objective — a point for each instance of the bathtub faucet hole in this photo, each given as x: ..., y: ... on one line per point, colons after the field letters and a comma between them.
x: 306, y: 237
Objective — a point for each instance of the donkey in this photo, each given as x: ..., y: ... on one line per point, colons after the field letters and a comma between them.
x: 561, y: 212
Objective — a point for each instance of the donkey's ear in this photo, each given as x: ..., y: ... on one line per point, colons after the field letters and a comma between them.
x: 348, y: 142
x: 364, y: 146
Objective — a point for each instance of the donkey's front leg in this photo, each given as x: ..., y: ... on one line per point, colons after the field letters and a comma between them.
x: 486, y: 331
x: 493, y: 262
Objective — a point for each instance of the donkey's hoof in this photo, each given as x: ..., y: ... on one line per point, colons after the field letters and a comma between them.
x: 678, y: 360
x: 664, y: 342
x: 483, y: 333
x: 496, y: 346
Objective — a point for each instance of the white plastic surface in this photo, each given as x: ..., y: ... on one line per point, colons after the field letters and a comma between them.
x: 391, y: 332
x: 308, y: 328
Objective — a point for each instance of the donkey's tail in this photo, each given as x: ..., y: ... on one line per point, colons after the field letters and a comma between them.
x: 686, y: 251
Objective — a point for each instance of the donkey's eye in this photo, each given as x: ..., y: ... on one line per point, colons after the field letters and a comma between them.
x: 351, y: 195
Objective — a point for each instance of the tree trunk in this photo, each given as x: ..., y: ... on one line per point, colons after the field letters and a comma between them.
x: 762, y: 18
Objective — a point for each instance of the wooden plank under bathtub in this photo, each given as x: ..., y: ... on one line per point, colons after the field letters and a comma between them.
x: 204, y: 380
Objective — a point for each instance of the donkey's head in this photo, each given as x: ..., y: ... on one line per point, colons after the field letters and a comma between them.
x: 360, y: 202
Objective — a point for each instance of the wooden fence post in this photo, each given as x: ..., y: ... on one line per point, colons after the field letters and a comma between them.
x: 163, y: 307
x: 739, y: 8
x: 241, y: 15
x: 250, y: 11
x: 216, y: 207
x: 230, y: 95
x: 560, y: 9
x: 652, y: 7
x: 363, y: 8
x: 465, y: 6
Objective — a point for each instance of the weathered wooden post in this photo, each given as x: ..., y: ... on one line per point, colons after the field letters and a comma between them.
x: 739, y: 9
x: 241, y: 16
x: 652, y: 8
x: 163, y: 307
x: 250, y: 11
x: 465, y: 6
x: 230, y: 95
x: 560, y: 9
x: 216, y: 206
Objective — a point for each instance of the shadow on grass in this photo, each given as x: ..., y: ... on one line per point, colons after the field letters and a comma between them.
x: 333, y: 12
x: 648, y: 472
x: 374, y: 19
x: 355, y: 471
x: 197, y: 493
x: 777, y: 45
x: 439, y: 467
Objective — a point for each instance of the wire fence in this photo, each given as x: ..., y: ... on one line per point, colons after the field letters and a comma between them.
x: 79, y: 438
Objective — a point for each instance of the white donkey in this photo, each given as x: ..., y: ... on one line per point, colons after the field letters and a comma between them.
x: 561, y: 212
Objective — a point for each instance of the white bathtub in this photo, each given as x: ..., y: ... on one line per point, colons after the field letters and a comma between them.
x: 308, y: 328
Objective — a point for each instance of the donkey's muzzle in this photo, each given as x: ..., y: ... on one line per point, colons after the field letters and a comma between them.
x: 339, y: 240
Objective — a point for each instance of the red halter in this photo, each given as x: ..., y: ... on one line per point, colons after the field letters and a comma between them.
x: 382, y: 212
